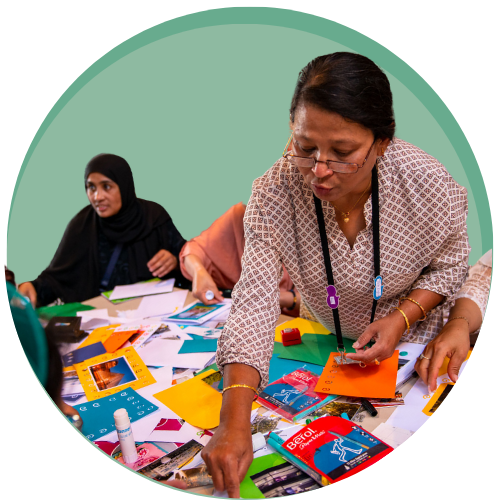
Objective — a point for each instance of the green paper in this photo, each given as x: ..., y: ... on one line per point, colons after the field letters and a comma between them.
x: 48, y: 312
x: 211, y: 367
x: 247, y: 486
x: 315, y: 349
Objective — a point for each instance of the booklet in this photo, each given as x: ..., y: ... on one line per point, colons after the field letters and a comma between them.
x: 293, y: 395
x: 198, y: 313
x: 329, y: 449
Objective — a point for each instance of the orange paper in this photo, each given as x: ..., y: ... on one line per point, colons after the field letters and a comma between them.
x: 117, y: 339
x: 373, y: 381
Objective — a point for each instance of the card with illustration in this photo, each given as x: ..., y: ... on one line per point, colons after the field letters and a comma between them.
x: 147, y: 453
x: 112, y: 372
x: 198, y: 313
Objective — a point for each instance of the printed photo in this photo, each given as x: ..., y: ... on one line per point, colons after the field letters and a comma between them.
x: 112, y: 373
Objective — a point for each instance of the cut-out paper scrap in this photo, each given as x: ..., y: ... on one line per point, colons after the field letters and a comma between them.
x: 146, y: 454
x: 118, y: 338
x: 304, y: 325
x: 113, y: 372
x: 152, y: 287
x: 279, y: 367
x: 373, y: 381
x: 248, y: 489
x: 100, y: 334
x: 315, y: 349
x: 98, y: 417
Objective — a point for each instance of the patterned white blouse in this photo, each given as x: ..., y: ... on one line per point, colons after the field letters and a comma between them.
x: 423, y: 245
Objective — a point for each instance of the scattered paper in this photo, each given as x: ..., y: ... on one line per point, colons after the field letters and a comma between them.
x: 141, y: 289
x: 161, y: 305
x: 393, y: 436
x: 198, y: 313
x: 163, y: 352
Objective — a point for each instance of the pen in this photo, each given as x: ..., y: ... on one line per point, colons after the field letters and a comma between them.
x: 369, y: 407
x: 340, y: 436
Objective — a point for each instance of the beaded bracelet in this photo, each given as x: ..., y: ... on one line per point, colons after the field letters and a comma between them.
x: 424, y: 314
x: 233, y: 386
x: 460, y: 317
x: 406, y: 319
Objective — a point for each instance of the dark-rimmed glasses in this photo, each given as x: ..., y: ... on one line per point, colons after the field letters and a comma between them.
x: 335, y: 166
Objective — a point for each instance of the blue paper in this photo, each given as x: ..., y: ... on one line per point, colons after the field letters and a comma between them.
x: 83, y: 353
x: 98, y: 417
x: 198, y: 345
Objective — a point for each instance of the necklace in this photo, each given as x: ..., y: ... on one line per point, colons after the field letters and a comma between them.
x: 345, y: 215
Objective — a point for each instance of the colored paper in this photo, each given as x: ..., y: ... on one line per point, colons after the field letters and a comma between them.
x: 113, y: 372
x: 315, y: 349
x: 146, y: 454
x: 100, y: 334
x: 194, y: 401
x: 98, y: 417
x: 70, y: 309
x: 118, y: 338
x: 198, y: 345
x: 198, y: 313
x: 280, y: 367
x: 373, y: 381
x: 81, y: 354
x: 304, y: 326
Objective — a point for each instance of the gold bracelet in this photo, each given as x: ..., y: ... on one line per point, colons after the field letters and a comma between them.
x: 459, y: 317
x: 424, y: 314
x: 241, y: 385
x: 406, y: 319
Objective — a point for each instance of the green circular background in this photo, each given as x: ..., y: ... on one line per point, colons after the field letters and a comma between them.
x: 199, y: 108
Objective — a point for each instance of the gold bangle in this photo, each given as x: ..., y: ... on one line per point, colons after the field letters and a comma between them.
x: 406, y: 319
x: 233, y: 386
x: 424, y: 314
x: 460, y: 317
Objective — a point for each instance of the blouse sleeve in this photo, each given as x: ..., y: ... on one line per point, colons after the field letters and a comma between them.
x: 448, y: 268
x: 248, y: 336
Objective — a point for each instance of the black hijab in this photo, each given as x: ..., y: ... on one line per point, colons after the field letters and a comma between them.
x: 142, y: 226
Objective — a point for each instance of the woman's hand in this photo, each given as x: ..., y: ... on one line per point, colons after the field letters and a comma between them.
x: 28, y: 290
x: 453, y: 342
x: 228, y: 456
x: 202, y: 283
x: 162, y: 263
x: 175, y: 483
x: 386, y: 333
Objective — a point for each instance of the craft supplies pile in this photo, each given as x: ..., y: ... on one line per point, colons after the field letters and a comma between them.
x: 156, y: 362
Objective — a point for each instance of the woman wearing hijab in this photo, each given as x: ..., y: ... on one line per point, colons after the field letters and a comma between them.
x: 118, y: 239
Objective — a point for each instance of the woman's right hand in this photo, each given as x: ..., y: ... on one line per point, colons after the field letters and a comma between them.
x: 202, y: 283
x: 228, y: 456
x: 28, y: 290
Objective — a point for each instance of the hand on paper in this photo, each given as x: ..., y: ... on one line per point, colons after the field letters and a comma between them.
x: 386, y: 333
x: 228, y: 456
x: 162, y: 263
x: 28, y: 290
x: 453, y: 342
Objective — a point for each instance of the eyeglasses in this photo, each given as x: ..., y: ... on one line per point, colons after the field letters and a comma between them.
x: 335, y: 166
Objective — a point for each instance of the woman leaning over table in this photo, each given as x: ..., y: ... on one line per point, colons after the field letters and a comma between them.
x: 118, y: 239
x: 342, y: 151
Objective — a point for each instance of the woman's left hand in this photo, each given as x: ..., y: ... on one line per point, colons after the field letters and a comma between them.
x: 386, y: 333
x: 453, y: 342
x: 162, y: 263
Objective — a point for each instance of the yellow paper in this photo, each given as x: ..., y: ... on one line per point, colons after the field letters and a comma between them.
x: 195, y: 401
x: 109, y: 373
x: 304, y: 326
x: 100, y: 334
x: 444, y: 366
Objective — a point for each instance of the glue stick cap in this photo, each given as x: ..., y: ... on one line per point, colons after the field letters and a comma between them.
x: 258, y: 441
x: 121, y: 417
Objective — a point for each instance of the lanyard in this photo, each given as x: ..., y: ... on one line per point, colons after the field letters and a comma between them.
x: 377, y: 293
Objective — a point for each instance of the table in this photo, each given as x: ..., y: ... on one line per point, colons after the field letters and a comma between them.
x: 369, y: 423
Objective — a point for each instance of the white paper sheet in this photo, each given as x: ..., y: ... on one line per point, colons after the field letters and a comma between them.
x: 141, y: 289
x: 393, y: 436
x: 410, y: 416
x: 141, y: 429
x: 157, y: 306
x: 409, y: 352
x: 164, y: 352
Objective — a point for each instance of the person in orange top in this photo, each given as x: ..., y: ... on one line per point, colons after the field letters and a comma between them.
x: 212, y: 261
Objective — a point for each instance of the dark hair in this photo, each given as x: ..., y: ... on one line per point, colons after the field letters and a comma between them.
x: 352, y: 86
